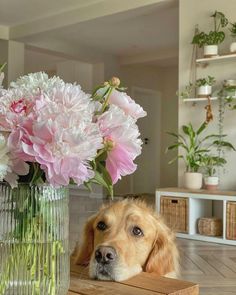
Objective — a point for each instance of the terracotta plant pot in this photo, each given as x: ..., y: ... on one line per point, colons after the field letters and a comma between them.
x: 211, y: 182
x: 210, y: 50
x: 192, y: 180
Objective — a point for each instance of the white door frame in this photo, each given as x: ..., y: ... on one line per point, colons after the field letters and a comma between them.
x: 158, y: 95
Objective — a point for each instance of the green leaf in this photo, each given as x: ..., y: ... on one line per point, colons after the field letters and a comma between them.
x: 2, y: 66
x: 179, y: 136
x: 224, y: 144
x: 176, y: 158
x: 121, y: 89
x: 185, y: 129
x: 103, y: 178
x: 88, y: 185
x: 102, y: 157
x: 201, y: 128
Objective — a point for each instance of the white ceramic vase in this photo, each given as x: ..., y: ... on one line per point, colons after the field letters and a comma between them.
x: 204, y: 91
x: 192, y: 180
x: 211, y: 182
x: 210, y: 50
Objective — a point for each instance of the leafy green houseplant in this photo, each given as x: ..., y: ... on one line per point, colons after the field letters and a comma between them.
x: 204, y: 86
x: 194, y: 148
x: 205, y: 81
x: 214, y: 37
x: 211, y: 162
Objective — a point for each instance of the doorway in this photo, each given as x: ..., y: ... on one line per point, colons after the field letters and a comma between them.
x: 147, y: 176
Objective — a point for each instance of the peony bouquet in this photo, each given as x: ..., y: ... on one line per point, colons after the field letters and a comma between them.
x: 53, y: 132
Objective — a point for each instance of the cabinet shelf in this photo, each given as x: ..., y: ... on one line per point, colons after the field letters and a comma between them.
x: 226, y: 57
x: 201, y: 203
x: 195, y: 99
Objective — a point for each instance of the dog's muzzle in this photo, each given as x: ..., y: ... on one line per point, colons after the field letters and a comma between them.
x: 106, y: 258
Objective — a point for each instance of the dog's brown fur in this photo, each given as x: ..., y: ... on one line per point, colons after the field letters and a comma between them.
x: 155, y: 251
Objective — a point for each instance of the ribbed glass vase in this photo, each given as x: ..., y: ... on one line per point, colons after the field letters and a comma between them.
x: 34, y: 251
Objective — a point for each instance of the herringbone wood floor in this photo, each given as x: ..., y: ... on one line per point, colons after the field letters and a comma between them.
x: 212, y: 266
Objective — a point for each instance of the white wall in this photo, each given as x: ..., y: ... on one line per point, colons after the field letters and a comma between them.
x: 169, y: 124
x: 88, y: 75
x: 164, y: 80
x: 12, y: 53
x: 194, y: 12
x: 75, y: 71
x: 16, y: 54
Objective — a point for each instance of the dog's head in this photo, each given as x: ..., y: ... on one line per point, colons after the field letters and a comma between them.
x: 125, y: 238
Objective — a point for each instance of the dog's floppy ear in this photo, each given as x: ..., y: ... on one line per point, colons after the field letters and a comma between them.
x: 84, y: 251
x: 163, y: 258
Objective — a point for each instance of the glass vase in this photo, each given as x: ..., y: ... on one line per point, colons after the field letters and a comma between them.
x: 34, y: 237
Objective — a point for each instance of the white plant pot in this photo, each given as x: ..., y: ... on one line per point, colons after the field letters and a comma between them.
x: 192, y: 180
x: 232, y: 47
x: 204, y: 91
x: 211, y: 182
x: 210, y: 50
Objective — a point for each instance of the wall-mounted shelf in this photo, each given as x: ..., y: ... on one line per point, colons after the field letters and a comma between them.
x: 196, y: 99
x: 226, y: 57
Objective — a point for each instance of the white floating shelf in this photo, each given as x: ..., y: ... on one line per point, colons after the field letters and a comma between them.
x: 216, y: 58
x: 195, y: 99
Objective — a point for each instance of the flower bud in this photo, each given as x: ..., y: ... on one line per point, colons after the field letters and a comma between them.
x: 115, y: 82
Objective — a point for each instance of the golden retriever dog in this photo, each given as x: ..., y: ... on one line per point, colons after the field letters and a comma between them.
x: 125, y: 238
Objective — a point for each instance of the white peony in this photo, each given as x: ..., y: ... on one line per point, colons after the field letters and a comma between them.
x: 31, y: 84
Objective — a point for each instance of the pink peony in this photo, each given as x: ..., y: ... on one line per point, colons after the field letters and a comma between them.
x: 14, y: 107
x: 121, y: 139
x: 56, y: 126
x: 62, y: 137
x: 127, y: 104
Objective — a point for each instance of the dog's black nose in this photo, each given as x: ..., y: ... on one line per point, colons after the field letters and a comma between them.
x: 105, y: 254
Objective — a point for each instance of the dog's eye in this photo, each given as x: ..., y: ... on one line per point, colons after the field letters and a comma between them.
x: 136, y: 231
x: 101, y: 225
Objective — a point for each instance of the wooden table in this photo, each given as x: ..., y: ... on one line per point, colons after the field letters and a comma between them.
x: 142, y: 284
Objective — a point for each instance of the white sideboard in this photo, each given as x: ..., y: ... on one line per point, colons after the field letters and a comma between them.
x: 200, y: 204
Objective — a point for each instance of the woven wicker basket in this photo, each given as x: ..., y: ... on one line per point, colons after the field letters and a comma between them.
x: 210, y: 226
x: 231, y: 221
x: 175, y: 213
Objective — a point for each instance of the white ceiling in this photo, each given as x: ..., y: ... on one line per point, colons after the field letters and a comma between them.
x: 142, y: 31
x: 127, y: 33
x: 14, y: 12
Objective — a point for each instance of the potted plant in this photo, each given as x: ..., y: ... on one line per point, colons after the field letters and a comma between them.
x: 204, y: 86
x: 211, y: 40
x: 195, y: 149
x: 210, y: 163
x: 232, y: 29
